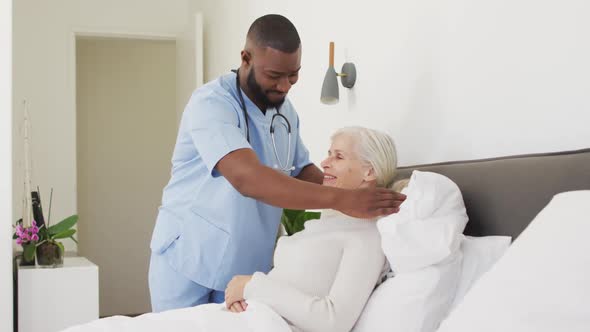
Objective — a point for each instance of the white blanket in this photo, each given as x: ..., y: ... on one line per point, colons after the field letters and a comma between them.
x: 258, y: 317
x: 541, y: 284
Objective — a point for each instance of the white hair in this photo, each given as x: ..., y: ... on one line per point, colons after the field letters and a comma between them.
x: 375, y: 148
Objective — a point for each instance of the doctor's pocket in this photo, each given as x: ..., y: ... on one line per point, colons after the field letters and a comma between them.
x: 167, y: 230
x: 207, y: 244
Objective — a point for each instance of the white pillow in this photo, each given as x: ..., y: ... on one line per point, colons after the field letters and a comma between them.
x: 429, y: 226
x: 415, y: 301
x: 542, y: 283
x: 479, y: 255
x: 421, y: 243
x: 425, y: 290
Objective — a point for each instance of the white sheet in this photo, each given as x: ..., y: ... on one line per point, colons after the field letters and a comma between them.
x: 542, y: 283
x: 205, y: 318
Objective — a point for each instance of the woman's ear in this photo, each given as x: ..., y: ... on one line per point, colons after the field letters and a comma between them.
x: 369, y: 175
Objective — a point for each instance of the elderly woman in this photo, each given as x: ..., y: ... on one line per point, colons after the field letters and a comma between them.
x: 324, y: 275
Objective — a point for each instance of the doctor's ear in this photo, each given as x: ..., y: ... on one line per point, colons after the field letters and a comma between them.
x: 246, y: 57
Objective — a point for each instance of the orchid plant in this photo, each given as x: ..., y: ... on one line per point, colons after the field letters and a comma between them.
x: 32, y: 237
x: 27, y: 237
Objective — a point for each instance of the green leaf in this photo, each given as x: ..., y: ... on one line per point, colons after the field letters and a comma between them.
x: 312, y: 215
x: 14, y: 236
x: 64, y: 234
x: 286, y: 223
x: 63, y: 225
x: 294, y: 220
x: 43, y: 233
x: 61, y: 247
x: 299, y: 223
x: 29, y: 252
x: 292, y: 214
x: 71, y: 237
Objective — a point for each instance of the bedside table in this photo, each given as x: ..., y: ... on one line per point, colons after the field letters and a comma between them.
x: 52, y: 299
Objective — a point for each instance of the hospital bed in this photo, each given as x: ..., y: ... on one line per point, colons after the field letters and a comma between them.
x: 502, y: 196
x: 542, y: 283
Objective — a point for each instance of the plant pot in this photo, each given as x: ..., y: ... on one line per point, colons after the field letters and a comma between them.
x: 49, y: 254
x: 23, y: 259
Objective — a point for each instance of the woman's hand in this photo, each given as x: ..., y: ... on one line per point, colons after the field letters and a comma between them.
x: 235, y: 291
x: 238, y: 307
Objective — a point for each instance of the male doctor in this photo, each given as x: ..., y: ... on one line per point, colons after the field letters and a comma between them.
x: 237, y: 162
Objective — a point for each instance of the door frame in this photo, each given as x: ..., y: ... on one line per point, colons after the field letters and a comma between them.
x: 7, y: 308
x: 72, y: 83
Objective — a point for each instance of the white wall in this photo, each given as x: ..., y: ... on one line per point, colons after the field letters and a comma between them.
x: 43, y: 74
x: 449, y: 80
x: 6, y: 309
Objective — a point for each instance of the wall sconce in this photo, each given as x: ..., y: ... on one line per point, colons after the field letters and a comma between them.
x: 330, y: 87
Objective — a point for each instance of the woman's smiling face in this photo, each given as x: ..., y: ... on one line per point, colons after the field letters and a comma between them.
x: 343, y: 167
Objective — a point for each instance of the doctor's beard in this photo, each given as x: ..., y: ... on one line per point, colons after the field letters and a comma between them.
x: 259, y: 94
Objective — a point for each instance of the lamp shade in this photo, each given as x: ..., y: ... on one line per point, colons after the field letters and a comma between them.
x: 330, y: 87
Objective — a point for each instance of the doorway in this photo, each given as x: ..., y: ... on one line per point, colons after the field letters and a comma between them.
x: 126, y: 129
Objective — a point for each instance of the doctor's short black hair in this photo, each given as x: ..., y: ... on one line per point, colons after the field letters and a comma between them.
x: 275, y: 31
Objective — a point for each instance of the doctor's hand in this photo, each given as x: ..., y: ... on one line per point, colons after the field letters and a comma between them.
x: 370, y: 202
x: 234, y: 291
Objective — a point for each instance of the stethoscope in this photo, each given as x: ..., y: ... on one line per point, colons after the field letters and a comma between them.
x: 280, y: 166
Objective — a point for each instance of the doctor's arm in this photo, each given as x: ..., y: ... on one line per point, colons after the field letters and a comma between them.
x: 214, y: 131
x: 311, y: 173
x: 253, y: 179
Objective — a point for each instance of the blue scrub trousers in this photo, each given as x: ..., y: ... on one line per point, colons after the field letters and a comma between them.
x: 171, y: 290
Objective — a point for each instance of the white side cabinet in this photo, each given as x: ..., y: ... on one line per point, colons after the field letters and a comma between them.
x: 52, y: 299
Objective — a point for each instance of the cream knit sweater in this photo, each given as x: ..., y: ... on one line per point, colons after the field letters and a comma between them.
x: 323, y: 275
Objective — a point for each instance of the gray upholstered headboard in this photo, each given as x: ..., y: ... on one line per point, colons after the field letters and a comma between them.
x: 503, y: 195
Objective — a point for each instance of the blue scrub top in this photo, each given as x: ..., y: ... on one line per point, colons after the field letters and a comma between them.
x: 206, y: 229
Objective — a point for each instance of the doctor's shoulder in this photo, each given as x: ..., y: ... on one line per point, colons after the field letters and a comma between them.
x: 212, y: 102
